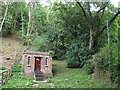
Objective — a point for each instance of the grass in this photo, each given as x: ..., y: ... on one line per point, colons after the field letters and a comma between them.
x: 18, y: 81
x: 74, y: 78
x: 63, y: 78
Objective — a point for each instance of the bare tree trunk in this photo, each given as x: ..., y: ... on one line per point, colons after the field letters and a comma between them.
x: 31, y: 7
x: 91, y: 40
x: 27, y: 37
x: 31, y: 28
x: 29, y: 21
x: 4, y: 16
x: 110, y: 53
x: 22, y: 21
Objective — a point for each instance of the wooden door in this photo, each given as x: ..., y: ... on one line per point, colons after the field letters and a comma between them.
x: 37, y: 63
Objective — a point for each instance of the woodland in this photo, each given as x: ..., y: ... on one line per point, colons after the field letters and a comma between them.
x: 84, y: 35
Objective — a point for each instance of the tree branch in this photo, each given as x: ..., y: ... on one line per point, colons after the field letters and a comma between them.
x: 89, y: 12
x: 99, y: 11
x: 109, y: 23
x: 102, y: 13
x: 82, y: 10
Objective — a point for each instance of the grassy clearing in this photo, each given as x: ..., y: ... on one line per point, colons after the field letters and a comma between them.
x: 74, y: 78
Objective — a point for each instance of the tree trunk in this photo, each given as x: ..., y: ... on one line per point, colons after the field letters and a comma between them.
x: 110, y: 53
x: 91, y: 40
x: 119, y: 55
x: 4, y: 17
x: 27, y: 37
x: 15, y: 22
x: 29, y: 21
x: 31, y: 28
x: 22, y: 21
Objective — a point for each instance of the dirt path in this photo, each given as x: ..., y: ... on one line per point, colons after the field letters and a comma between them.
x: 9, y: 46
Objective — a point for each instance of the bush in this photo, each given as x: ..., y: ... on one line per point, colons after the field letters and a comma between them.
x: 89, y: 66
x: 2, y: 68
x: 17, y: 68
x: 104, y: 62
x: 24, y: 39
x: 41, y: 44
x: 78, y: 53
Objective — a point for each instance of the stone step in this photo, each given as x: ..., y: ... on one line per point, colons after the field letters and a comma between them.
x: 38, y: 72
x: 39, y: 78
x: 39, y: 75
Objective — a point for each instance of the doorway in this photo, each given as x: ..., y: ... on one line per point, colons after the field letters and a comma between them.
x: 37, y: 63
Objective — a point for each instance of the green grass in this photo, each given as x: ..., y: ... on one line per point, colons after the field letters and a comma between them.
x: 0, y: 76
x: 18, y: 81
x: 63, y: 78
x: 74, y: 78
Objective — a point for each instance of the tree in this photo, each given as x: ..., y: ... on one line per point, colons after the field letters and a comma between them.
x: 4, y: 17
x: 91, y: 22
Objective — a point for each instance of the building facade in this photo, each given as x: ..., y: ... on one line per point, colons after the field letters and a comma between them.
x: 37, y: 61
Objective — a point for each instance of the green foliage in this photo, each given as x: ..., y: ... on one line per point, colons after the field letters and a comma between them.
x: 74, y: 78
x: 103, y: 59
x: 63, y: 31
x: 17, y: 80
x: 17, y: 68
x: 2, y: 67
x: 89, y: 67
x: 51, y: 52
x: 13, y: 20
x: 44, y: 85
x: 41, y: 44
x: 78, y: 52
x: 24, y: 39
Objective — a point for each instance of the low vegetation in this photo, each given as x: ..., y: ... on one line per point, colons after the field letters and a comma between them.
x: 17, y: 80
x: 74, y: 78
x: 2, y: 68
x: 63, y: 78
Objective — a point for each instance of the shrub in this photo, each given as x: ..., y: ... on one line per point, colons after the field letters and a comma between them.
x: 17, y: 68
x: 89, y: 66
x: 103, y: 59
x: 2, y: 68
x: 24, y: 39
x: 78, y: 53
x: 51, y: 52
x: 41, y: 44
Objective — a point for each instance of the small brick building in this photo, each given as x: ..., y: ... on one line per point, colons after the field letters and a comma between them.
x: 37, y: 61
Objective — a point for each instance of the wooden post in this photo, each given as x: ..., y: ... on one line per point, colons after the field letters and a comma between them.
x: 2, y: 79
x: 119, y: 52
x: 110, y: 53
